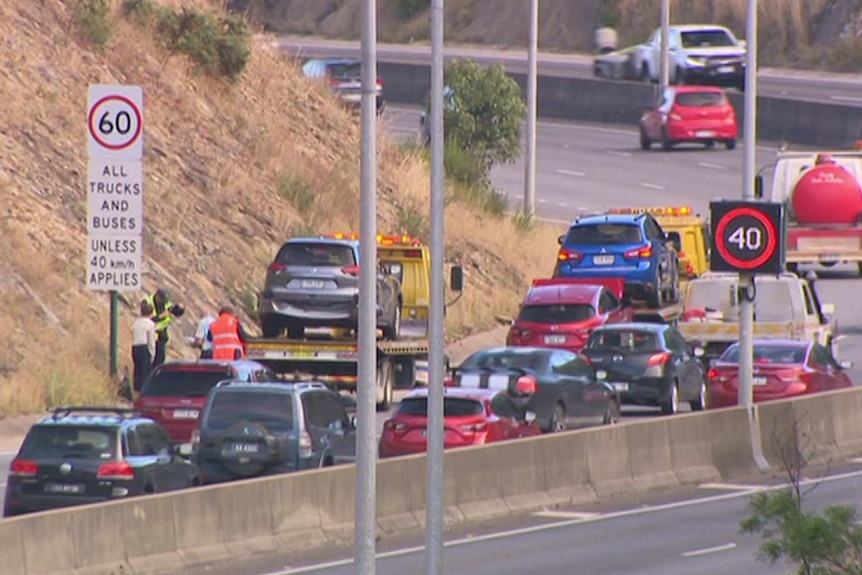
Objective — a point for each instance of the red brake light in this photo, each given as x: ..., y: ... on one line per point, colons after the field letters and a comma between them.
x: 333, y: 82
x: 475, y: 427
x: 712, y: 374
x: 23, y: 468
x: 413, y: 254
x: 379, y: 83
x: 392, y: 425
x: 691, y: 314
x: 276, y: 267
x: 643, y: 253
x: 116, y: 470
x: 569, y: 255
x: 449, y: 381
x: 350, y: 270
x: 526, y: 385
x: 660, y: 358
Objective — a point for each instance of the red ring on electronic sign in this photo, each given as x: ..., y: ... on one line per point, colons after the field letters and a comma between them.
x: 138, y: 116
x: 771, y: 240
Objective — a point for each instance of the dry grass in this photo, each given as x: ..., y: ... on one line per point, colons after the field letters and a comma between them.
x: 215, y: 157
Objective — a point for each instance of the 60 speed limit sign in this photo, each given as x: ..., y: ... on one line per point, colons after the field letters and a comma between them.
x: 115, y: 122
x: 747, y: 237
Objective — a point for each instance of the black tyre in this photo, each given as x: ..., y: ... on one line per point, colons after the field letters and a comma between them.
x: 709, y: 145
x: 699, y: 404
x: 558, y: 420
x: 645, y: 73
x: 613, y: 414
x: 393, y: 331
x: 295, y: 331
x: 646, y: 143
x: 271, y: 327
x: 666, y: 143
x: 671, y: 405
x: 730, y: 144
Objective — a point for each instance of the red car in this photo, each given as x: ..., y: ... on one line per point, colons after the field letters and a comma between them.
x: 690, y: 114
x: 782, y: 369
x: 471, y: 417
x: 562, y: 313
x: 175, y: 394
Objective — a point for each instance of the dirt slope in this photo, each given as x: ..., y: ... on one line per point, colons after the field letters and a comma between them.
x: 220, y: 160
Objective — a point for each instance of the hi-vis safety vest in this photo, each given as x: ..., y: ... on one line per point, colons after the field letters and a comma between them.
x: 161, y: 325
x: 226, y: 343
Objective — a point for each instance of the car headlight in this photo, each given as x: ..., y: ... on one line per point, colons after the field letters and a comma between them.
x: 692, y: 61
x: 601, y: 375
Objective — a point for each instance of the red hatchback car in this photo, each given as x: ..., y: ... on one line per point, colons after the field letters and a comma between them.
x: 690, y: 114
x: 782, y: 369
x: 562, y: 313
x: 175, y: 394
x: 471, y: 417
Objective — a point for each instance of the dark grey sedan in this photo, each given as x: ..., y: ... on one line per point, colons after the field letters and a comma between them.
x: 559, y: 386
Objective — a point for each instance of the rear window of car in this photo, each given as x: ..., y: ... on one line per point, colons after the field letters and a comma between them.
x: 228, y: 408
x: 68, y: 442
x: 623, y: 340
x: 769, y: 354
x: 604, y: 234
x: 452, y: 407
x: 700, y: 99
x: 706, y: 39
x: 508, y: 359
x: 353, y: 70
x: 563, y: 313
x: 191, y: 382
x: 317, y: 255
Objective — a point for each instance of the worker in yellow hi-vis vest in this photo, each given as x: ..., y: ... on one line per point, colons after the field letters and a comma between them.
x: 164, y: 312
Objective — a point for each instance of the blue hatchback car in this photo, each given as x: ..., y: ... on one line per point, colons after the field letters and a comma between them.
x: 628, y: 246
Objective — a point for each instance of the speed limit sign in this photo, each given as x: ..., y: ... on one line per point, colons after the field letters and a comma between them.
x: 115, y: 122
x: 747, y: 237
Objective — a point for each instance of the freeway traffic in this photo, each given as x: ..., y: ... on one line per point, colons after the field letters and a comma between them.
x: 791, y: 84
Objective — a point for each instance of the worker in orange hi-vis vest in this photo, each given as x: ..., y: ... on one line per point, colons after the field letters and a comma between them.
x: 228, y: 336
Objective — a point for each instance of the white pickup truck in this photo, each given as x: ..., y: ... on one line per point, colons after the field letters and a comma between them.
x: 785, y: 307
x: 698, y: 54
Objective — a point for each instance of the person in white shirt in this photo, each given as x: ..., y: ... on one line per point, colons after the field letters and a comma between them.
x: 143, y: 345
x: 203, y: 337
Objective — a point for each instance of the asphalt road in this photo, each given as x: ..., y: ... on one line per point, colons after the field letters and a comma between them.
x: 678, y: 532
x: 841, y: 89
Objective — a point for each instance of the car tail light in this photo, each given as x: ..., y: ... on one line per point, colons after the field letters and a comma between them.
x: 350, y: 270
x: 715, y: 375
x: 526, y: 385
x: 392, y: 425
x: 475, y: 427
x: 520, y: 333
x: 304, y: 444
x: 660, y: 358
x: 23, y: 468
x: 276, y: 268
x: 379, y: 83
x: 116, y: 470
x: 449, y: 381
x: 567, y: 255
x: 693, y: 314
x: 644, y: 252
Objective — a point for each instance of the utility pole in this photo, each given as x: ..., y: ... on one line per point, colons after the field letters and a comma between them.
x: 664, y: 66
x: 436, y: 331
x: 532, y: 73
x: 366, y: 401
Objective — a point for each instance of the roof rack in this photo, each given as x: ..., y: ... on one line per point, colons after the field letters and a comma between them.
x: 67, y: 410
x: 297, y: 384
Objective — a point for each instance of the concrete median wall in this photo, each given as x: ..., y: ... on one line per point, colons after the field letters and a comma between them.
x: 619, y: 102
x: 156, y: 534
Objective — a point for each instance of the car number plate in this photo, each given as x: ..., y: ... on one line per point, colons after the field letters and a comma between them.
x: 186, y: 413
x: 621, y: 386
x: 705, y: 134
x: 759, y: 380
x: 249, y: 448
x: 603, y: 260
x: 64, y: 488
x: 725, y: 69
x: 555, y: 339
x: 312, y: 284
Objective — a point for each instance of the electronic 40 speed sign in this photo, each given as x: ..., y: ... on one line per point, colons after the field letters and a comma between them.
x: 747, y: 237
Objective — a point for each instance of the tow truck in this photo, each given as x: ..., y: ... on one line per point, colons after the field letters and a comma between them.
x: 333, y: 357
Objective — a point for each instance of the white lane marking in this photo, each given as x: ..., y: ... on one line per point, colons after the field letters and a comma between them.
x: 543, y: 201
x: 707, y: 550
x: 652, y: 186
x: 846, y: 98
x: 618, y: 154
x: 577, y: 515
x: 563, y: 204
x: 568, y: 523
x: 571, y: 173
x: 731, y: 487
x: 711, y: 166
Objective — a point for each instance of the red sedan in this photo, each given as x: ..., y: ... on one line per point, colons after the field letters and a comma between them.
x: 471, y: 417
x: 562, y: 313
x: 690, y: 114
x: 782, y: 369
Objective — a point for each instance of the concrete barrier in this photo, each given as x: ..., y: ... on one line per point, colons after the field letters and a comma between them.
x: 153, y: 535
x: 621, y: 102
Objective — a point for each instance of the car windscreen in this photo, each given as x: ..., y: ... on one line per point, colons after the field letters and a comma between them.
x: 604, y: 234
x: 700, y: 99
x: 706, y: 39
x: 68, y: 442
x: 557, y: 313
x: 352, y: 70
x: 505, y: 359
x: 623, y: 340
x: 317, y: 255
x: 186, y: 382
x: 774, y: 301
x: 228, y: 408
x: 786, y: 354
x: 452, y: 407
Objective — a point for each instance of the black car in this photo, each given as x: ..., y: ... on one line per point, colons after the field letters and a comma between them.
x: 255, y: 429
x: 649, y: 364
x: 559, y: 386
x: 82, y: 455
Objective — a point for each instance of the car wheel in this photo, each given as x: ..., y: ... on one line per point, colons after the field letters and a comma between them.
x: 673, y: 290
x: 613, y: 414
x: 645, y: 73
x: 393, y: 331
x: 709, y: 145
x: 666, y: 144
x: 295, y: 331
x: 671, y: 406
x: 558, y: 420
x: 646, y: 143
x: 730, y: 144
x: 699, y: 404
x: 271, y: 327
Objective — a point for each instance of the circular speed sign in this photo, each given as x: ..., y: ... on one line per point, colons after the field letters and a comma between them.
x: 746, y: 238
x: 115, y: 122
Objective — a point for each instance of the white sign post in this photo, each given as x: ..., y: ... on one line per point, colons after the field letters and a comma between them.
x: 115, y: 196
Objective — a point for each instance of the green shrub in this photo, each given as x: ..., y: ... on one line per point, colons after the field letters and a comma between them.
x: 407, y: 9
x: 523, y: 221
x: 93, y: 18
x: 462, y: 166
x: 298, y: 192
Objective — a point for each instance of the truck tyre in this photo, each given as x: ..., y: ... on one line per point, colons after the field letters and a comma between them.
x: 730, y: 144
x: 646, y: 144
x: 392, y: 331
x: 385, y: 383
x: 405, y: 373
x: 270, y: 327
x: 666, y: 144
x: 295, y: 331
x: 655, y: 299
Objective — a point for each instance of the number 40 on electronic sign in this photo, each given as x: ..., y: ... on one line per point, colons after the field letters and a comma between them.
x: 747, y: 237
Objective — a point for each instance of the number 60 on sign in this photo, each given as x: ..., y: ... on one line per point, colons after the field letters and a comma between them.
x: 115, y: 122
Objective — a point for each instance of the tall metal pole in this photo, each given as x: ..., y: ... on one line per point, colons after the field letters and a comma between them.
x: 115, y: 335
x: 749, y: 168
x: 436, y: 353
x: 366, y: 453
x: 530, y: 152
x: 664, y: 66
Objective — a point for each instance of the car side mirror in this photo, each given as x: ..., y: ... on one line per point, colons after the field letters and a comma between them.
x: 846, y: 364
x: 698, y: 352
x: 561, y: 239
x: 456, y: 279
x: 529, y: 417
x: 758, y: 187
x: 185, y: 450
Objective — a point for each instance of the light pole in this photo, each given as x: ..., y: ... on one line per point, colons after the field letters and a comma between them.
x: 532, y: 73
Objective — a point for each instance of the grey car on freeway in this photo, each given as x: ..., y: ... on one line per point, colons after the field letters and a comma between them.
x: 344, y: 76
x: 314, y: 283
